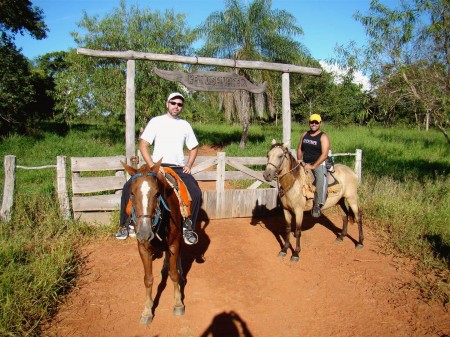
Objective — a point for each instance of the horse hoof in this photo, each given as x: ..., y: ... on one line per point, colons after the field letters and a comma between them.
x: 359, y: 246
x: 295, y: 259
x: 145, y: 320
x: 281, y: 254
x: 339, y: 240
x: 178, y: 311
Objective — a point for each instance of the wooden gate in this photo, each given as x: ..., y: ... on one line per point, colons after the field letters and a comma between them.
x: 97, y: 184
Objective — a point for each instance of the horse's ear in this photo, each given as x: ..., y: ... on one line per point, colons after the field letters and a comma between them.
x: 286, y: 145
x: 274, y: 141
x: 130, y: 169
x: 156, y: 166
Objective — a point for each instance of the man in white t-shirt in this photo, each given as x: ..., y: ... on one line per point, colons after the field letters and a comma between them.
x: 169, y: 134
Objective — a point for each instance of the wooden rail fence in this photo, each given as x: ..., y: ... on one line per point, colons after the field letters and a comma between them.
x: 97, y: 184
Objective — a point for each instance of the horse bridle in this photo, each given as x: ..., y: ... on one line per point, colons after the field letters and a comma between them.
x: 281, y: 191
x: 160, y: 201
x: 285, y: 156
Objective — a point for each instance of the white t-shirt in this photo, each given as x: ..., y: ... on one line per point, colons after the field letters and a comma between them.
x: 168, y: 136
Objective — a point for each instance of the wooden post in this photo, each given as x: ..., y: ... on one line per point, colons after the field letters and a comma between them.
x: 8, y: 189
x: 130, y: 112
x: 61, y: 186
x: 220, y: 183
x: 286, y: 108
x: 358, y: 164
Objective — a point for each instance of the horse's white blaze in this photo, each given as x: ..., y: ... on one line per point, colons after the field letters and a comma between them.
x: 145, y: 188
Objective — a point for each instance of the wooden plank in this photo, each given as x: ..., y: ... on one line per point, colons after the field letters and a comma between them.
x: 240, y: 203
x: 9, y: 165
x: 94, y: 218
x: 130, y: 111
x: 205, y: 164
x: 79, y: 164
x: 97, y: 184
x: 105, y: 202
x: 250, y: 160
x: 228, y: 175
x: 208, y: 61
x: 253, y: 174
x: 61, y: 187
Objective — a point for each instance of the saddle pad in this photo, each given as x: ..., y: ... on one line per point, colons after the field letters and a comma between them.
x: 183, y: 193
x: 309, y: 188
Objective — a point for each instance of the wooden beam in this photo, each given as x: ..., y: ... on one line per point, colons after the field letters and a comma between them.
x: 133, y: 55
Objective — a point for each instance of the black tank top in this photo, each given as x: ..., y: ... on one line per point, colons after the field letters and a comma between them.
x: 311, y: 147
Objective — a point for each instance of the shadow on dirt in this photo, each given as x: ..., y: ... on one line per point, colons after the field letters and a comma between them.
x: 274, y: 221
x: 227, y: 324
x: 189, y: 255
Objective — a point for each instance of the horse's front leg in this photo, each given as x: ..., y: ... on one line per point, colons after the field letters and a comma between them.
x: 146, y: 257
x: 175, y: 276
x: 298, y: 234
x: 287, y: 234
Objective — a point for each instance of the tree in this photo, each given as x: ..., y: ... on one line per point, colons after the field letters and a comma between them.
x: 409, y: 57
x: 252, y: 31
x: 95, y: 88
x: 17, y: 90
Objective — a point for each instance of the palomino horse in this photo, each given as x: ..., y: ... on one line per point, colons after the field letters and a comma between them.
x: 292, y: 180
x: 151, y: 196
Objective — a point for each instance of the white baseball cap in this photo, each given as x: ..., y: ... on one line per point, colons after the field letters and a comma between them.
x: 175, y: 94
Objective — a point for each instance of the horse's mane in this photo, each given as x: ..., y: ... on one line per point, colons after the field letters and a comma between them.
x: 293, y: 165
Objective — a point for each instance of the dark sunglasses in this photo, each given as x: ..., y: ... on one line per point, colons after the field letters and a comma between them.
x: 314, y: 122
x: 175, y: 103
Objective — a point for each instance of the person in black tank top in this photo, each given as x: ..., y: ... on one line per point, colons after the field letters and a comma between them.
x: 312, y: 151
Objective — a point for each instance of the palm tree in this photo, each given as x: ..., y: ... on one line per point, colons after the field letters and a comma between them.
x: 251, y: 32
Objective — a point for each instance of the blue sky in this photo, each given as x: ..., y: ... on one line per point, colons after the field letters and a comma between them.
x: 325, y: 22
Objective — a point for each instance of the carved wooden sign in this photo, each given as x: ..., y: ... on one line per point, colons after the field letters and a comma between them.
x: 211, y: 81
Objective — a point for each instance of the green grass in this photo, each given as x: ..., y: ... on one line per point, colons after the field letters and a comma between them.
x: 404, y: 196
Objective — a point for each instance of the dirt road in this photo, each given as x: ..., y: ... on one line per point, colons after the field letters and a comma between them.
x: 243, y: 289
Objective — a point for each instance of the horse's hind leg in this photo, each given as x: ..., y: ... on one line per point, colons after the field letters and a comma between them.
x: 344, y: 232
x: 355, y: 212
x: 287, y: 234
x: 175, y: 276
x: 358, y: 219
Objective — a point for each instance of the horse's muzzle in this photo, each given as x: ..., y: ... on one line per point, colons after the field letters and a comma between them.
x: 144, y: 231
x: 268, y: 175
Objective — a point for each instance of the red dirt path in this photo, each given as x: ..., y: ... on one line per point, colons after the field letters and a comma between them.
x: 243, y: 289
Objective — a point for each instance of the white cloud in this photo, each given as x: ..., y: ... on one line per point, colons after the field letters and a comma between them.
x: 338, y: 72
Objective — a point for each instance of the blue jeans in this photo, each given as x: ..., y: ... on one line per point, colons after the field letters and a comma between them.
x: 320, y: 176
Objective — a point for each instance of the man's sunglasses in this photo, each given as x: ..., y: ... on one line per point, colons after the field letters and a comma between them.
x: 314, y: 122
x: 175, y: 103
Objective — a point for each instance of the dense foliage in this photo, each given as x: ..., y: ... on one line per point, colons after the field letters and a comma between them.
x: 19, y: 87
x: 409, y: 58
x: 95, y: 87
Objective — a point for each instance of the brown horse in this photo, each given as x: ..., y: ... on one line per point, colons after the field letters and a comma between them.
x: 293, y: 188
x: 151, y: 196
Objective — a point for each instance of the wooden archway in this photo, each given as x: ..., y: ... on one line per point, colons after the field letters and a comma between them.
x: 131, y: 56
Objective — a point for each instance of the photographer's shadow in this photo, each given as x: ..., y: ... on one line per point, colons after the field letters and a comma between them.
x: 227, y: 324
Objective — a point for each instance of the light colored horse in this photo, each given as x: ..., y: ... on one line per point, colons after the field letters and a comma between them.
x: 157, y: 220
x: 294, y: 192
